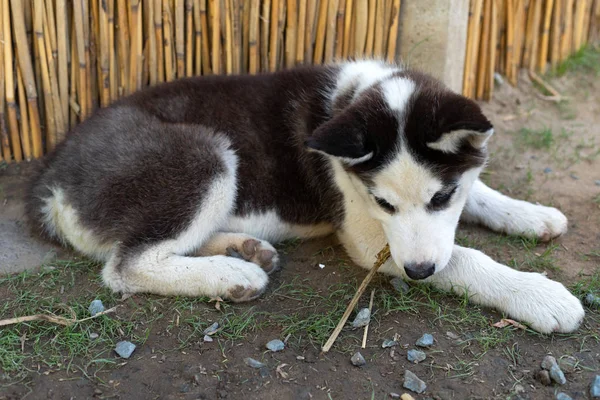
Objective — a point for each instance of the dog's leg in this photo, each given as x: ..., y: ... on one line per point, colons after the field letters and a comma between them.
x: 547, y: 306
x: 501, y: 213
x: 243, y: 246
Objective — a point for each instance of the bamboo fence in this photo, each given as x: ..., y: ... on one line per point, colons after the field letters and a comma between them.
x: 507, y: 36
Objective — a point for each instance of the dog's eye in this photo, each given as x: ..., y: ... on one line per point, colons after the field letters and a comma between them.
x: 385, y: 205
x: 441, y: 199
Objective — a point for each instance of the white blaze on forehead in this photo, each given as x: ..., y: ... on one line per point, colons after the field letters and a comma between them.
x: 397, y: 92
x: 406, y: 182
x: 362, y: 75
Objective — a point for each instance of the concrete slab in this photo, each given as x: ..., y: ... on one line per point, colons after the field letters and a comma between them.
x: 19, y: 250
x: 433, y: 38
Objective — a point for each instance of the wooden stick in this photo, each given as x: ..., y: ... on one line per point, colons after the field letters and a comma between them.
x: 280, y: 29
x: 180, y: 38
x: 321, y: 31
x: 274, y: 35
x: 309, y: 39
x: 578, y: 24
x: 347, y: 29
x: 330, y: 32
x: 53, y: 318
x: 206, y: 58
x: 510, y: 37
x: 236, y: 25
x: 484, y: 49
x: 215, y: 18
x: 360, y: 30
x: 62, y: 57
x: 189, y: 38
x: 290, y: 34
x: 536, y: 31
x: 393, y: 34
x: 253, y: 37
x: 264, y: 34
x: 245, y: 35
x: 364, y: 341
x: 13, y: 124
x: 543, y: 54
x: 555, y: 39
x: 487, y: 94
x: 198, y: 39
x: 170, y: 72
x: 339, y: 30
x: 371, y: 28
x: 382, y: 257
x: 228, y: 45
x: 25, y: 132
x: 104, y: 56
x: 301, y: 32
x: 4, y: 141
x: 380, y: 25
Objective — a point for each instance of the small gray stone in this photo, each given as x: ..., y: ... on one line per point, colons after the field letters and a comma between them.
x: 595, y: 388
x: 94, y: 335
x: 591, y: 300
x: 568, y: 364
x: 498, y: 79
x: 563, y: 396
x: 124, y: 349
x: 358, y: 360
x: 275, y: 345
x: 412, y: 382
x: 96, y: 307
x: 452, y: 335
x: 388, y: 343
x: 544, y: 377
x: 597, y: 182
x: 264, y: 372
x: 425, y: 341
x: 207, y: 338
x: 548, y: 362
x: 519, y: 389
x: 251, y: 362
x: 394, y: 395
x: 557, y: 375
x: 362, y: 318
x: 573, y: 176
x: 399, y: 285
x: 547, y: 170
x: 211, y: 330
x: 415, y: 356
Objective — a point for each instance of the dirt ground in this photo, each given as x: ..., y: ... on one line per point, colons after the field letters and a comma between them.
x: 542, y: 151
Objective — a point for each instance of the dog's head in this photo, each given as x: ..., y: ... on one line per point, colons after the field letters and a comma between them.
x: 412, y: 149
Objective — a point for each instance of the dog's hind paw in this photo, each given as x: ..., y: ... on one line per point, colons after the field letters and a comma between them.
x: 258, y: 252
x: 537, y: 221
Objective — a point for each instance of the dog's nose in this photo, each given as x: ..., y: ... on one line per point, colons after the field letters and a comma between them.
x: 418, y: 271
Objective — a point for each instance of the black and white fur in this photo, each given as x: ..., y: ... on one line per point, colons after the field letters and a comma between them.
x: 181, y: 188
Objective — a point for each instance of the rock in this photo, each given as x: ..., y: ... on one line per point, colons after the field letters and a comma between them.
x: 124, y: 349
x: 251, y: 362
x: 362, y: 318
x: 406, y: 396
x: 519, y: 389
x: 207, y: 338
x: 591, y: 300
x: 452, y: 335
x: 557, y: 375
x: 547, y: 170
x: 94, y: 335
x: 211, y: 330
x: 388, y: 343
x: 96, y: 307
x: 399, y: 285
x: 264, y: 372
x: 548, y: 362
x: 544, y: 377
x: 563, y: 396
x: 568, y: 364
x: 425, y: 341
x: 597, y: 182
x: 595, y: 388
x: 394, y: 395
x: 358, y: 360
x: 412, y: 382
x: 498, y: 79
x: 415, y: 356
x: 573, y: 176
x: 184, y: 388
x: 275, y: 345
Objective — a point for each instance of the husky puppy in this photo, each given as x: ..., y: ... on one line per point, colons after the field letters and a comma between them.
x: 181, y: 188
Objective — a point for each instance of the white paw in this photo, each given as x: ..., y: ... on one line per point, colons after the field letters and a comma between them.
x: 257, y: 251
x: 541, y: 222
x: 545, y: 305
x: 241, y: 280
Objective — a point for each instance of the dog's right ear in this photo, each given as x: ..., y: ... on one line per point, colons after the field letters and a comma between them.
x: 343, y: 137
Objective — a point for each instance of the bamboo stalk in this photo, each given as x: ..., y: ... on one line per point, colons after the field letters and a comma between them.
x: 321, y: 32
x: 253, y: 37
x: 484, y: 49
x: 215, y: 18
x: 393, y: 34
x: 370, y: 28
x: 62, y: 57
x: 301, y: 32
x: 228, y: 46
x: 264, y: 34
x: 236, y: 26
x: 189, y: 38
x: 487, y: 95
x: 567, y: 40
x: 543, y: 54
x: 380, y: 25
x: 339, y: 30
x: 578, y: 24
x: 309, y: 39
x: 536, y: 31
x: 556, y: 28
x: 348, y: 18
x: 510, y: 37
x: 180, y: 38
x: 245, y: 28
x: 360, y: 30
x: 112, y: 59
x: 25, y: 132
x: 159, y: 40
x: 280, y: 31
x: 9, y: 86
x: 586, y: 22
x: 170, y: 72
x: 519, y: 29
x: 330, y: 33
x: 274, y: 35
x: 124, y: 47
x: 206, y: 67
x: 198, y: 39
x: 88, y: 58
x: 290, y: 35
x: 4, y: 140
x: 74, y: 111
x: 472, y: 46
x: 104, y: 56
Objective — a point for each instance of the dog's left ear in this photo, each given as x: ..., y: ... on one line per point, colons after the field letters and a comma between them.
x: 460, y: 119
x: 344, y: 137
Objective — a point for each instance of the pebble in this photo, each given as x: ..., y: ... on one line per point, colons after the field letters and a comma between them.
x: 415, y: 356
x: 394, y: 395
x: 573, y: 176
x: 597, y: 182
x: 362, y: 318
x: 96, y: 307
x: 264, y: 372
x: 207, y: 338
x: 275, y: 345
x: 251, y: 362
x: 94, y: 335
x: 125, y: 349
x: 595, y: 388
x: 498, y: 79
x: 358, y: 360
x: 557, y: 375
x: 563, y: 396
x: 388, y: 343
x: 548, y: 362
x: 544, y: 377
x: 412, y: 382
x: 592, y: 300
x: 425, y: 341
x: 568, y: 364
x: 399, y: 285
x: 406, y: 396
x: 452, y: 335
x: 547, y: 170
x: 211, y: 330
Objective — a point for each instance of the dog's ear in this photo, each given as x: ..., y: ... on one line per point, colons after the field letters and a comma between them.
x: 344, y: 137
x: 460, y: 120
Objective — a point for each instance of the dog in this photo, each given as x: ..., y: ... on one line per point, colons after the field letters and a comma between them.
x: 181, y: 188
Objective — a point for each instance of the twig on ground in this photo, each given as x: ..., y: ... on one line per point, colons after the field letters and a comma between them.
x: 52, y: 318
x: 364, y: 341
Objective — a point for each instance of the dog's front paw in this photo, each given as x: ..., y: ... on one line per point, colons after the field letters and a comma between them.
x: 545, y: 305
x: 541, y: 222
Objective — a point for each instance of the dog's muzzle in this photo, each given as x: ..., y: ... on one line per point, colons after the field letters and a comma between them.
x: 417, y: 271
